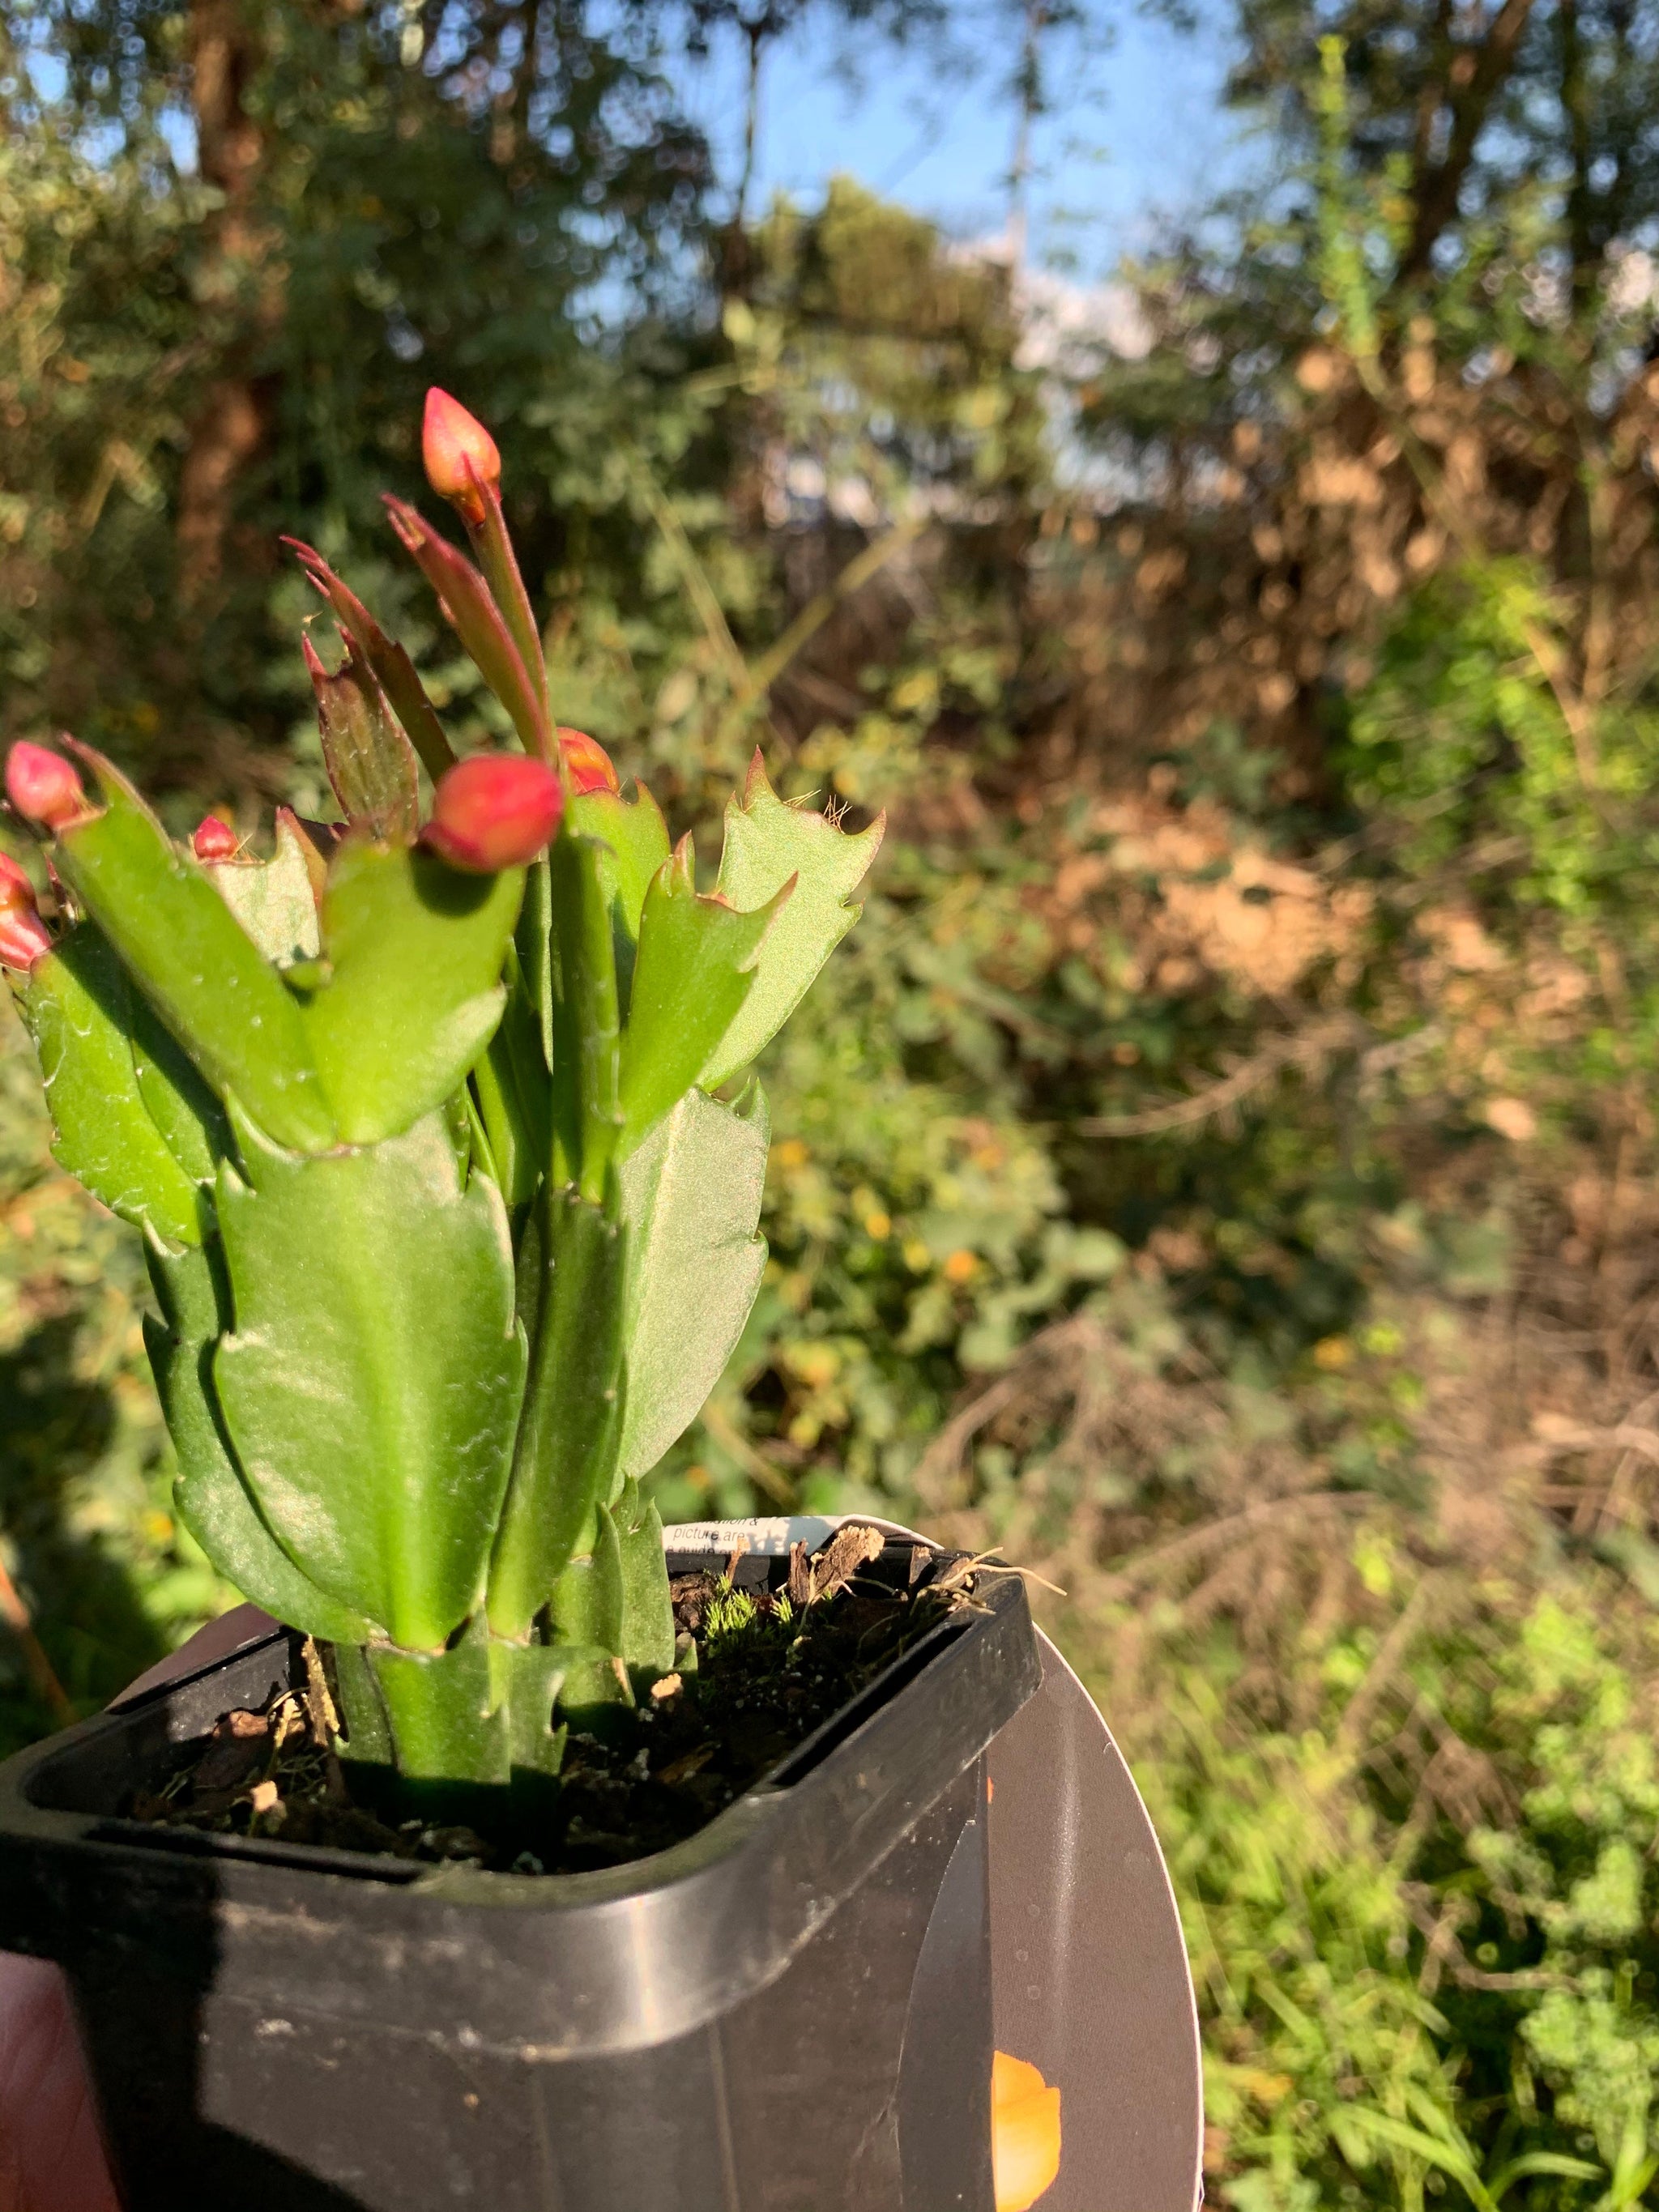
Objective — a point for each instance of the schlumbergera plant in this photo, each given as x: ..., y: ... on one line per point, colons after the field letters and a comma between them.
x: 440, y: 1136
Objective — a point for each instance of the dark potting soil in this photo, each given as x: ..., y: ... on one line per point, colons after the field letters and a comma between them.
x: 759, y: 1671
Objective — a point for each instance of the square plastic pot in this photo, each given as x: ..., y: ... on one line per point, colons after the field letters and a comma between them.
x: 789, y: 2012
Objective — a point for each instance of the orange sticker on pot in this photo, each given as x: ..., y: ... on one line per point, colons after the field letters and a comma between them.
x: 1024, y: 2132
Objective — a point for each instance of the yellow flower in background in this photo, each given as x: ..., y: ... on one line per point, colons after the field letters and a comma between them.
x: 1024, y: 2132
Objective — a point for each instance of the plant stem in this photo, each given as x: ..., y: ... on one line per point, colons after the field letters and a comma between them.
x: 569, y: 1431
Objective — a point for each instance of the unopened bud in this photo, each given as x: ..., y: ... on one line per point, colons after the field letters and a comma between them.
x: 494, y: 810
x: 459, y: 454
x: 42, y: 786
x: 591, y: 766
x: 23, y: 936
x: 214, y: 840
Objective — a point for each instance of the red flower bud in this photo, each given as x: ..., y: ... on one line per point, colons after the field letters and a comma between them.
x: 591, y: 766
x: 214, y: 840
x: 494, y: 810
x: 42, y: 786
x: 23, y: 936
x: 459, y: 454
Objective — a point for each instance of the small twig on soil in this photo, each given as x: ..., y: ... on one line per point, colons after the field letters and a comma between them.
x: 41, y: 1671
x: 985, y: 1563
x: 319, y: 1705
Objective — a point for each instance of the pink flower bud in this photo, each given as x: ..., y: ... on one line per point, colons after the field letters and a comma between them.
x: 214, y: 840
x: 591, y: 766
x: 42, y: 786
x: 459, y: 454
x: 494, y: 810
x: 23, y: 936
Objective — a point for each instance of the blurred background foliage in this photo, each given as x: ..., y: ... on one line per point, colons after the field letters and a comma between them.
x: 1221, y: 1169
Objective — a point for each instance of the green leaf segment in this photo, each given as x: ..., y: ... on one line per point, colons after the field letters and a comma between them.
x: 450, y: 1233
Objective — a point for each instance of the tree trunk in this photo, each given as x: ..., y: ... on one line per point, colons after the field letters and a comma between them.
x: 1477, y: 74
x: 236, y: 289
x: 1576, y: 98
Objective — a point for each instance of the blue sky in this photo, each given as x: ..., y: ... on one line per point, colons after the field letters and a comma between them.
x: 1138, y: 131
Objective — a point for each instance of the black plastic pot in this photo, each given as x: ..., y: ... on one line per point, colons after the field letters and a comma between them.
x: 790, y: 2012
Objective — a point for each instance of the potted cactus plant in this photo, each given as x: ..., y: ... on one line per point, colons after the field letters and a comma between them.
x: 438, y: 1127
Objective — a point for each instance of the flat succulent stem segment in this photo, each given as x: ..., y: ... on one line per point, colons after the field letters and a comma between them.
x: 79, y: 1011
x: 633, y: 842
x: 646, y: 1643
x: 768, y: 843
x: 458, y: 1725
x: 221, y: 999
x: 371, y: 1388
x: 405, y: 998
x: 446, y: 1722
x: 513, y: 1113
x: 586, y: 1017
x: 689, y: 1201
x: 611, y: 1614
x: 693, y: 971
x: 213, y: 1501
x: 564, y: 1465
x: 413, y: 949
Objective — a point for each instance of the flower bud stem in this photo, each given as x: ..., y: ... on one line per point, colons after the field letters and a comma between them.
x: 468, y: 601
x: 493, y: 548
